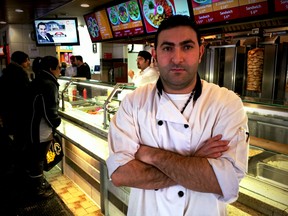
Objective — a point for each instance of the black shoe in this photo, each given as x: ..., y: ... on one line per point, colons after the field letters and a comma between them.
x: 44, y: 193
x: 40, y: 188
x: 45, y: 184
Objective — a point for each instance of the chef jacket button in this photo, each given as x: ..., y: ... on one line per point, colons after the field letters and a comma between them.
x: 160, y: 122
x: 186, y: 125
x: 180, y: 193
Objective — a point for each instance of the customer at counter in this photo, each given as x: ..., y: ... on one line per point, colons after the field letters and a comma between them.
x: 146, y: 74
x: 180, y: 144
x: 42, y: 121
x: 72, y: 69
x: 13, y: 95
x: 83, y: 69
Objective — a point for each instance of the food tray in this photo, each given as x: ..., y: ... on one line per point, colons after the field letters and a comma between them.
x: 254, y: 151
x: 278, y: 161
x: 271, y: 174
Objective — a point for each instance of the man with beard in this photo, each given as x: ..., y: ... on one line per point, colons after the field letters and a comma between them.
x: 180, y: 144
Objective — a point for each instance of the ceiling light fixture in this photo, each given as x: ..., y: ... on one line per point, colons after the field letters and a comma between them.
x: 85, y: 5
x: 19, y: 10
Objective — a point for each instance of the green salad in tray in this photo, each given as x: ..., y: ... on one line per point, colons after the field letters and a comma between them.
x: 133, y: 10
x: 123, y: 13
x: 113, y: 16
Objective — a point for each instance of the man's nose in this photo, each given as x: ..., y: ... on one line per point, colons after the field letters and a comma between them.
x: 177, y: 56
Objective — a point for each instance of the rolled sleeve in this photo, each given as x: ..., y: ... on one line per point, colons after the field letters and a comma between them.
x: 115, y: 160
x: 231, y: 167
x: 227, y: 179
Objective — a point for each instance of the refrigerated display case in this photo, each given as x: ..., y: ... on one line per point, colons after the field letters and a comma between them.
x: 91, y: 103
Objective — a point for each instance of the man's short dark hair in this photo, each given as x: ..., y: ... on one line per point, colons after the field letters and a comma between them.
x: 19, y: 57
x: 78, y: 57
x: 146, y: 55
x: 41, y: 23
x: 176, y: 21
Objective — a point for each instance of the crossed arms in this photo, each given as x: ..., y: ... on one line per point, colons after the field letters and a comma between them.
x: 155, y: 168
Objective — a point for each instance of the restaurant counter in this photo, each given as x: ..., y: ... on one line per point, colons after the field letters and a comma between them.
x: 84, y: 163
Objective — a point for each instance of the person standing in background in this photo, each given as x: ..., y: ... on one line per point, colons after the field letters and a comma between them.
x: 42, y: 35
x: 83, y: 69
x: 63, y: 68
x: 72, y: 69
x: 42, y: 121
x: 14, y: 84
x: 146, y: 74
x: 189, y: 153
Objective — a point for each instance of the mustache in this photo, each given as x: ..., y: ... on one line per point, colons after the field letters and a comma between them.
x: 177, y: 67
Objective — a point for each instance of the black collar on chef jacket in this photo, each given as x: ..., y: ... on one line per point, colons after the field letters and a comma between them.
x: 198, y: 88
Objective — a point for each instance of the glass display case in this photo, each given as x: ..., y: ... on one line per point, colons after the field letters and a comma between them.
x: 91, y: 103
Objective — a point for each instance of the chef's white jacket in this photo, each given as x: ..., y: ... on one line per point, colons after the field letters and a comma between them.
x: 216, y: 111
x: 149, y: 75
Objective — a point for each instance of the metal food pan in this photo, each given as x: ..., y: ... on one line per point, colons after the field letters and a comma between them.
x: 277, y: 157
x: 272, y: 174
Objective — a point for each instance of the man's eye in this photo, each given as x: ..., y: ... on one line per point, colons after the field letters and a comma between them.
x: 167, y: 48
x: 188, y: 47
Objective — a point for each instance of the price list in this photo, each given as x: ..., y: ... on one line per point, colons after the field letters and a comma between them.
x: 211, y: 11
x: 253, y: 7
x: 104, y: 26
x: 281, y: 5
x: 125, y: 19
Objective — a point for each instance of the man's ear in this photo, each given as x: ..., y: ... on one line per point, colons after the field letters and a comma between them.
x: 201, y: 52
x: 154, y: 55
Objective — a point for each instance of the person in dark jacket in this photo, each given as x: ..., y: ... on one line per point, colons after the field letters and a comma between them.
x: 13, y: 95
x: 44, y: 119
x: 83, y: 69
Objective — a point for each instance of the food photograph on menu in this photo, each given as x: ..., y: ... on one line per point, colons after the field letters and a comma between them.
x: 154, y: 11
x: 125, y: 19
x: 98, y: 26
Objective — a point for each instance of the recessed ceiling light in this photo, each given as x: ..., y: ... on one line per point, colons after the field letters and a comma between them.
x: 85, y: 5
x: 19, y: 10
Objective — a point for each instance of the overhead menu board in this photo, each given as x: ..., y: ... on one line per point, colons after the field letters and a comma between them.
x: 98, y: 26
x: 125, y: 19
x: 281, y: 5
x: 154, y: 11
x: 211, y: 11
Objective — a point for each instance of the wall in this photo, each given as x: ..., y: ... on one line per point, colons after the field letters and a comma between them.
x: 19, y: 38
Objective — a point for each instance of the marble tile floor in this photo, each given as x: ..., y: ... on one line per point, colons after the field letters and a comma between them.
x: 76, y: 200
x: 81, y: 205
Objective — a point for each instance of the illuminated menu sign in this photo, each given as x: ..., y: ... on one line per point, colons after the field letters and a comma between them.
x: 210, y: 11
x: 154, y: 11
x: 98, y: 26
x: 125, y: 19
x: 281, y: 5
